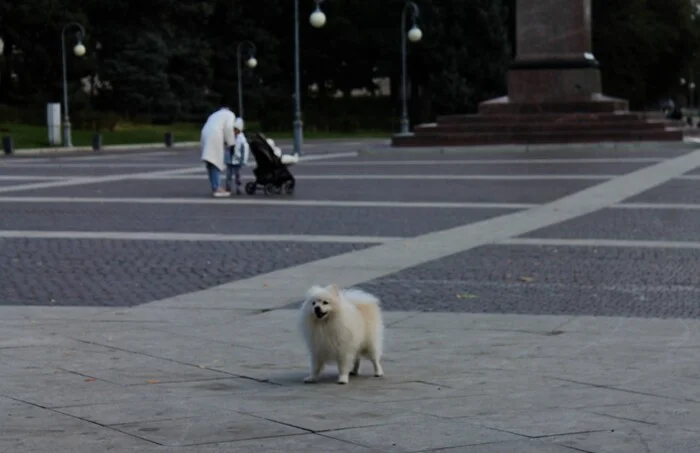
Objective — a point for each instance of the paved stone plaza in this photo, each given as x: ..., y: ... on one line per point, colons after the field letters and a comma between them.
x: 541, y: 301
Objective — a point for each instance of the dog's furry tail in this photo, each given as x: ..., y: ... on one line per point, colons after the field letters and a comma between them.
x: 360, y: 297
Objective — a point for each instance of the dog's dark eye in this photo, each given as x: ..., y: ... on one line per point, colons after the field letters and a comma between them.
x: 325, y: 302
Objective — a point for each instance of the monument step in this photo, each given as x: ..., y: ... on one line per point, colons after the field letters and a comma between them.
x: 564, y: 126
x: 536, y: 137
x: 540, y: 117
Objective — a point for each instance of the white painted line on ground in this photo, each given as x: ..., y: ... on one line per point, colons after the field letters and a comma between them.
x: 602, y: 243
x: 189, y: 237
x: 364, y: 265
x: 563, y: 161
x: 479, y: 177
x: 688, y: 206
x: 689, y: 177
x: 255, y: 201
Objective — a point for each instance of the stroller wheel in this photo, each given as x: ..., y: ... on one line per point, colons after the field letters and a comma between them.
x: 269, y: 189
x: 277, y: 190
x: 250, y: 188
x: 289, y: 187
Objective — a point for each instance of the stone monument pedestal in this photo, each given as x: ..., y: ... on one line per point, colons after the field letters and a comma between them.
x: 554, y: 91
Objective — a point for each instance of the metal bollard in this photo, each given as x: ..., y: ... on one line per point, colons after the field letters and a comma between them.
x: 8, y: 145
x: 96, y: 142
x: 169, y: 139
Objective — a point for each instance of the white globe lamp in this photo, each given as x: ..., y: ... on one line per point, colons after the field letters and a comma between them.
x: 252, y: 62
x: 415, y: 34
x: 318, y: 18
x: 79, y: 49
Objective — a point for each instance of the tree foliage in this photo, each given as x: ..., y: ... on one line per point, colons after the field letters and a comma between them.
x: 177, y: 59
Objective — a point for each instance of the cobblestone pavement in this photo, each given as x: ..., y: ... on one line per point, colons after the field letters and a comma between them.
x: 542, y: 301
x: 397, y: 195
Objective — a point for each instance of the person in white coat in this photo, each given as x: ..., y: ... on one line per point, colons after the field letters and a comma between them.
x: 237, y: 156
x: 217, y: 136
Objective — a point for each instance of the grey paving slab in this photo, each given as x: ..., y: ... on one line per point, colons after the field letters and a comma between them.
x: 488, y: 401
x: 324, y: 414
x: 285, y: 444
x: 33, y: 429
x: 550, y: 422
x: 549, y: 280
x: 158, y: 406
x: 421, y: 434
x: 241, y: 219
x: 674, y: 414
x: 519, y: 446
x: 122, y: 273
x: 628, y: 224
x: 226, y: 427
x: 633, y: 439
x: 375, y: 190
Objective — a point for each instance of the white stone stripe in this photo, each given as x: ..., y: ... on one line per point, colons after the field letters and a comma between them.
x: 126, y: 176
x: 92, y: 179
x: 688, y: 177
x: 363, y: 265
x: 61, y: 163
x: 602, y: 243
x: 154, y: 236
x: 33, y: 178
x: 260, y: 201
x: 480, y: 177
x: 688, y: 206
x: 563, y: 161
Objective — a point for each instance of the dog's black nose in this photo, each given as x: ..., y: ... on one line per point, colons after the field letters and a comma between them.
x: 318, y: 312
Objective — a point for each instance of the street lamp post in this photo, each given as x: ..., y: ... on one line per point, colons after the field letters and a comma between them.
x: 79, y: 51
x: 251, y: 62
x: 414, y: 35
x: 317, y: 20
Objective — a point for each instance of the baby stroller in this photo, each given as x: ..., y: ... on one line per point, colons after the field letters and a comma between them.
x: 270, y: 173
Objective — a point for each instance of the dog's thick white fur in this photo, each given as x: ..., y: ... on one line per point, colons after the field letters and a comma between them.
x: 342, y: 326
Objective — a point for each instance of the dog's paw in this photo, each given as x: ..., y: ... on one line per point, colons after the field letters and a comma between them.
x: 343, y: 380
x: 380, y: 374
x: 309, y: 380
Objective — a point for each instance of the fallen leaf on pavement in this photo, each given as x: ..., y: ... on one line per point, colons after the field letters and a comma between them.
x: 153, y: 381
x: 526, y: 279
x: 90, y: 379
x: 466, y: 296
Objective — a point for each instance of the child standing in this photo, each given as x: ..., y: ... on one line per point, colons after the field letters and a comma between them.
x: 236, y: 156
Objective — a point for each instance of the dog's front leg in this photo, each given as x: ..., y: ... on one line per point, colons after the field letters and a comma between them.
x: 316, y: 367
x: 344, y: 365
x: 355, y: 367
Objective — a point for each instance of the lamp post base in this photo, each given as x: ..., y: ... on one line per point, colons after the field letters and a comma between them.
x: 298, y: 136
x: 404, y: 126
x: 67, y: 142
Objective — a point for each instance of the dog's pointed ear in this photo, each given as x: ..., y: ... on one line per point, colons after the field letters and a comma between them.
x: 313, y: 290
x: 334, y: 289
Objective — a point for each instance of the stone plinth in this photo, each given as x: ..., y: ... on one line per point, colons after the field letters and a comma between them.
x: 554, y: 91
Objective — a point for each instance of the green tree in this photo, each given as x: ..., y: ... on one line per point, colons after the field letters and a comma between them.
x: 643, y: 47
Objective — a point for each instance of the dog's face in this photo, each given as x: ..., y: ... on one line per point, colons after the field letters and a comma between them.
x: 321, y: 302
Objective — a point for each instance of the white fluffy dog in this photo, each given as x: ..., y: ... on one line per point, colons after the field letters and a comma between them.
x: 342, y: 326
